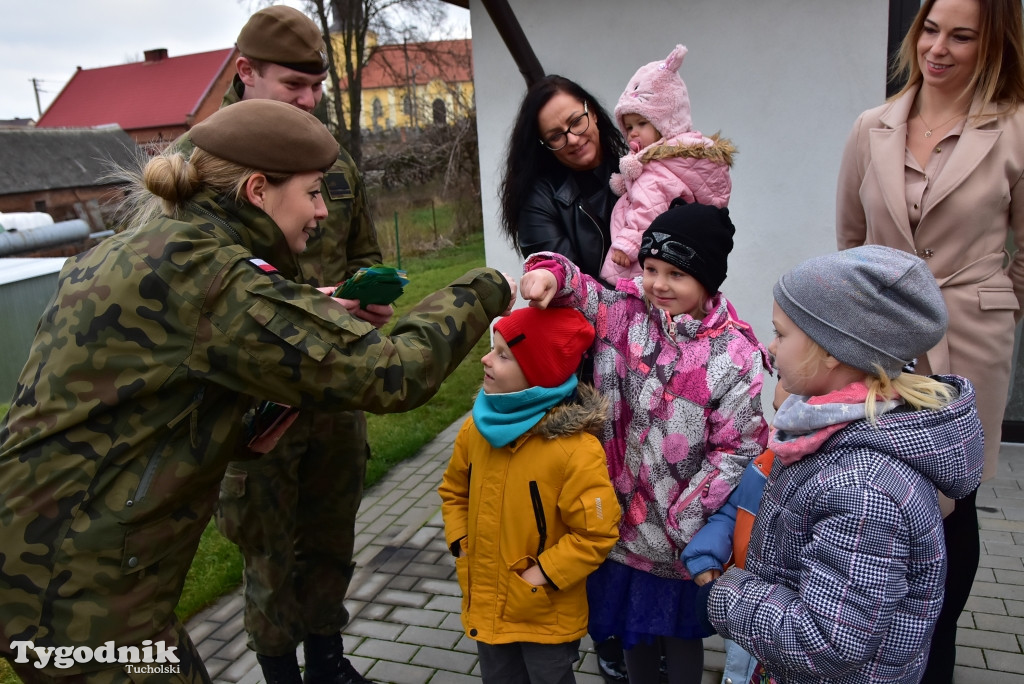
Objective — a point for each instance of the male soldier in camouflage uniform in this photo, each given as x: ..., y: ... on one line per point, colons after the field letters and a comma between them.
x: 132, y: 400
x: 293, y: 512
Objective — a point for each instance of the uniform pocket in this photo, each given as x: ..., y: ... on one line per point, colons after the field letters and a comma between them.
x: 233, y: 484
x: 287, y: 331
x: 990, y: 298
x: 147, y: 544
x: 238, y: 518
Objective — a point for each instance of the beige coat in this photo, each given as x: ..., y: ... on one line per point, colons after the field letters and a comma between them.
x: 974, y: 203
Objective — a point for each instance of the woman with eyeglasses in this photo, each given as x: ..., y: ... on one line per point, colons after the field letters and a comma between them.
x: 555, y: 195
x: 937, y: 171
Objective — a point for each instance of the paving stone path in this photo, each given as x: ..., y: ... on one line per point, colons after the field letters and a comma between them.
x: 404, y: 599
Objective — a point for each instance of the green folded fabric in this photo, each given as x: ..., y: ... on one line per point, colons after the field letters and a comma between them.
x: 374, y: 285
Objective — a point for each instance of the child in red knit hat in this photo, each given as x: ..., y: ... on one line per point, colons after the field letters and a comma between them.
x: 529, y: 510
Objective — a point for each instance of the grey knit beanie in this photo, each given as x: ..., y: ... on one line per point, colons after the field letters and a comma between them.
x: 867, y: 305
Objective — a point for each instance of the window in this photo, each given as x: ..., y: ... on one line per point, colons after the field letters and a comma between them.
x: 377, y: 111
x: 440, y: 112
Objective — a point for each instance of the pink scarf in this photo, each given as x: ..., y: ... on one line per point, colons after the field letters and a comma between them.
x: 802, y: 424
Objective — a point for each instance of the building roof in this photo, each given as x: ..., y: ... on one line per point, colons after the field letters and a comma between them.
x: 47, y: 159
x: 16, y: 123
x: 448, y: 60
x: 160, y: 91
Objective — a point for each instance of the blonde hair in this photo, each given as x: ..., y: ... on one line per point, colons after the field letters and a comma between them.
x: 165, y: 183
x: 918, y: 391
x: 999, y: 73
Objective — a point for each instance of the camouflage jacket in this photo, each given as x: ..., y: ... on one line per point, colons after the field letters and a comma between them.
x: 132, y: 398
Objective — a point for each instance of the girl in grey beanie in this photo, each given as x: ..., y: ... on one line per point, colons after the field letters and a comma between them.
x: 844, y: 573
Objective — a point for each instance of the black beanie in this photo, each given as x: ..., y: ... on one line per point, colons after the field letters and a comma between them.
x: 695, y: 238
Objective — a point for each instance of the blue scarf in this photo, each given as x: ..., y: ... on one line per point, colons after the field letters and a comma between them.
x: 503, y: 418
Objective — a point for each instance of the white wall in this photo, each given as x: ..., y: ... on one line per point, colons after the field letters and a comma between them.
x: 783, y: 79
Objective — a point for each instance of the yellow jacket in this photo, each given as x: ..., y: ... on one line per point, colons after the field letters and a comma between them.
x: 545, y: 498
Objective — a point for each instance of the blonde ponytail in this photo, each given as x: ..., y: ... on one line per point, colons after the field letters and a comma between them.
x: 172, y: 179
x: 165, y: 183
x: 918, y: 391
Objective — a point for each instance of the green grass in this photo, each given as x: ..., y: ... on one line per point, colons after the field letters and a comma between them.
x: 427, y: 222
x: 217, y: 567
x: 396, y: 437
x: 216, y: 570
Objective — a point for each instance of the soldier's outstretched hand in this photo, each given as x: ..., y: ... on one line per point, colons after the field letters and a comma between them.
x: 512, y: 300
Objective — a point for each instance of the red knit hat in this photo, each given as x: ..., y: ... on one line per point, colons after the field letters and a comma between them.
x: 548, y: 343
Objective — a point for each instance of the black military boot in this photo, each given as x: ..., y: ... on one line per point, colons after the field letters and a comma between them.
x: 326, y: 662
x: 280, y: 669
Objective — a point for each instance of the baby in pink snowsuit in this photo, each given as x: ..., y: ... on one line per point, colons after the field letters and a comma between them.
x: 667, y: 159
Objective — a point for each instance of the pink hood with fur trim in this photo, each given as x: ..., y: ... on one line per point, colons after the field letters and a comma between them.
x: 691, y: 166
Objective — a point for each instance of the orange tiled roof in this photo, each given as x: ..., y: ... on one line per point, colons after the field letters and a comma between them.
x: 449, y: 60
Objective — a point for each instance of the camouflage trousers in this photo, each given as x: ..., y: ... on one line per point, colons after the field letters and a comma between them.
x: 189, y: 669
x: 292, y: 513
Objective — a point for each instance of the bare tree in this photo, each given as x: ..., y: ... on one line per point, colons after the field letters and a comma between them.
x: 417, y: 65
x: 352, y: 21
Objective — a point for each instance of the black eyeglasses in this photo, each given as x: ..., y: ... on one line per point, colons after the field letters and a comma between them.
x: 577, y: 126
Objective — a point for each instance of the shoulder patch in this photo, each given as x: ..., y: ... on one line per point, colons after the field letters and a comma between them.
x: 262, y: 266
x: 338, y: 187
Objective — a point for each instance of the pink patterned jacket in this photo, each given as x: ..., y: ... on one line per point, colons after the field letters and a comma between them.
x: 686, y: 407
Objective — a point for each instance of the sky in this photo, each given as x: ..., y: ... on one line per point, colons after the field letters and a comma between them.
x: 47, y: 40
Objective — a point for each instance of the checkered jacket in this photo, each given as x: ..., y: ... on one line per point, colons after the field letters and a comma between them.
x: 846, y: 564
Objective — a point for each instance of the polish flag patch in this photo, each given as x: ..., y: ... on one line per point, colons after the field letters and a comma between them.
x: 262, y: 266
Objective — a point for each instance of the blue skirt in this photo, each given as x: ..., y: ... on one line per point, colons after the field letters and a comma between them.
x: 638, y: 607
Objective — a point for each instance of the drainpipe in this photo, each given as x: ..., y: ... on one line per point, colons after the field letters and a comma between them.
x: 515, y: 40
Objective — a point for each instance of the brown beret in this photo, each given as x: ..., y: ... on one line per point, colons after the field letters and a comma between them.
x: 284, y: 35
x: 267, y: 135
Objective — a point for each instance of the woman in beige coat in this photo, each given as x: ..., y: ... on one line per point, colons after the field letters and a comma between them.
x: 937, y: 171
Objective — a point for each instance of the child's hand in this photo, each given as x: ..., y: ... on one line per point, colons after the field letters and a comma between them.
x: 538, y: 287
x: 706, y: 576
x: 534, y: 576
x: 619, y: 258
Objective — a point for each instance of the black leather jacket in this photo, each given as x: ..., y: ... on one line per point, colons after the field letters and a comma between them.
x: 560, y: 217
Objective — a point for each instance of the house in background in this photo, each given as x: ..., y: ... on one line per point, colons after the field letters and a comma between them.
x: 415, y: 85
x: 62, y: 171
x: 17, y: 123
x: 154, y: 101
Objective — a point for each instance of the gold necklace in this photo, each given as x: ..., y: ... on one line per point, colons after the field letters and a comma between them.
x: 929, y: 129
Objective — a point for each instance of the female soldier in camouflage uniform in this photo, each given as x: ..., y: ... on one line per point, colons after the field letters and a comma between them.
x: 143, y: 365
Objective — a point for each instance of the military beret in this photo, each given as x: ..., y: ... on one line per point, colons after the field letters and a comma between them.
x: 284, y: 35
x: 267, y: 135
